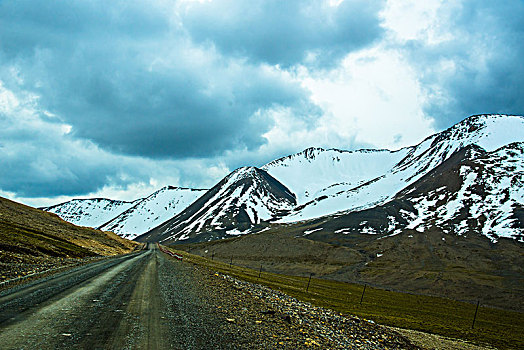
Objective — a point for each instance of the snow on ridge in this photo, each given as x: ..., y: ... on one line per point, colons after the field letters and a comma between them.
x: 308, y: 177
x: 153, y: 210
x: 487, y: 131
x: 89, y: 212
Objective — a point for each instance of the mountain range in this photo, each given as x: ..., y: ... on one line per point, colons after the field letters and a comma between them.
x: 464, y: 180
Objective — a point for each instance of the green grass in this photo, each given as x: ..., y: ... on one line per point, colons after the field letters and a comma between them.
x: 450, y: 318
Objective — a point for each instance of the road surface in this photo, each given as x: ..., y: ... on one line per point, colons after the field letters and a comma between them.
x: 122, y: 303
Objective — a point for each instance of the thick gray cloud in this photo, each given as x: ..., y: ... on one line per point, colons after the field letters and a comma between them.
x: 185, y: 92
x: 288, y: 32
x: 126, y: 77
x: 38, y: 160
x: 480, y: 70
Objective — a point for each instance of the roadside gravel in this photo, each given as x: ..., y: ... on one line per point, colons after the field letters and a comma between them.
x: 242, y: 315
x: 283, y: 322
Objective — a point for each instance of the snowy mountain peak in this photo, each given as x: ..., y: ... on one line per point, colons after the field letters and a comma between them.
x: 244, y: 198
x: 241, y: 173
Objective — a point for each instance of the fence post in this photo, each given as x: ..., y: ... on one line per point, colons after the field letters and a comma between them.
x: 474, y: 317
x: 213, y: 256
x: 307, y: 288
x: 362, y: 297
x: 260, y: 271
x: 231, y: 262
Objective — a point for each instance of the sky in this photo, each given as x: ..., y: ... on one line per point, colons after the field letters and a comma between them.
x: 116, y: 98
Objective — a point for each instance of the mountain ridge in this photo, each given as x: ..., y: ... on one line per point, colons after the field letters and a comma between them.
x: 330, y: 182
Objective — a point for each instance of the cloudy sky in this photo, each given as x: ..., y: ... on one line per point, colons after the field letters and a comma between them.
x: 119, y: 98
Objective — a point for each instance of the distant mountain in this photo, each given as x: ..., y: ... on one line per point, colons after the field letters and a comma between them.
x: 243, y: 199
x: 152, y: 211
x: 90, y: 212
x: 473, y: 192
x: 315, y: 172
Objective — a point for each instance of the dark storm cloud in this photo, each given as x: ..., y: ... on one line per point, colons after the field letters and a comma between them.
x: 38, y: 160
x: 124, y: 75
x: 487, y: 54
x: 285, y: 32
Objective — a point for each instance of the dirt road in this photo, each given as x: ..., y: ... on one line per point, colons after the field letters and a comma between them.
x: 149, y: 301
x: 112, y: 305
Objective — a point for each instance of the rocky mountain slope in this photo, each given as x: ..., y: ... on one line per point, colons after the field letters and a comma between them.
x: 152, y: 211
x: 487, y: 131
x: 244, y: 198
x: 473, y: 192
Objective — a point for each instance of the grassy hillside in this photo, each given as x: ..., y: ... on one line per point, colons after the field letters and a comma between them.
x: 501, y: 328
x: 30, y: 237
x: 463, y: 268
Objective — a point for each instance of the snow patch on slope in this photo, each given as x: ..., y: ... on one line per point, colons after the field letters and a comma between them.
x: 152, y: 211
x: 89, y: 212
x: 492, y: 187
x: 487, y: 131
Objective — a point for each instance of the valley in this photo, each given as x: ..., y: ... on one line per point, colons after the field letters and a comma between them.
x: 435, y: 223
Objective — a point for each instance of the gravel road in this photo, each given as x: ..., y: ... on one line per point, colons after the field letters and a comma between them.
x: 147, y: 300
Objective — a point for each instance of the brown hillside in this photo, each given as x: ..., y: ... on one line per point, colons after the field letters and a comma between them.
x: 30, y: 236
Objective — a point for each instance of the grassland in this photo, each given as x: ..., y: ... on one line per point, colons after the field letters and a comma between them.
x: 496, y: 327
x: 430, y: 263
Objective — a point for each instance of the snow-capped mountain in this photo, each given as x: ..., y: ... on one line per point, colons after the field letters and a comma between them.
x: 91, y: 212
x: 316, y: 171
x: 485, y: 190
x: 366, y: 191
x: 472, y: 192
x: 406, y: 166
x: 241, y: 200
x: 152, y: 211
